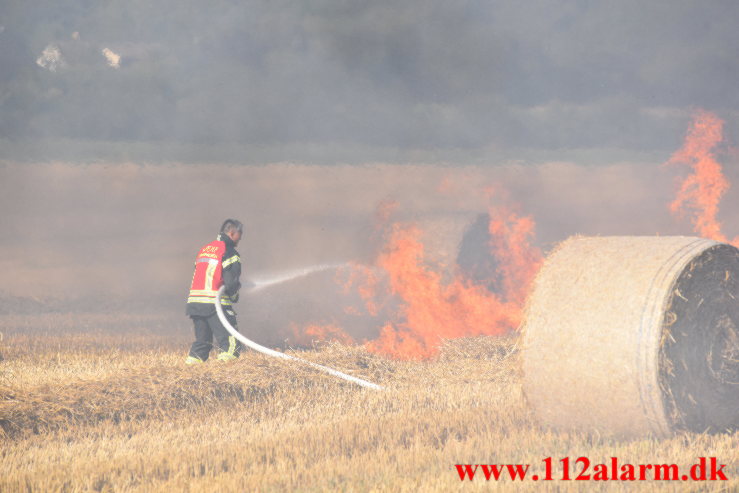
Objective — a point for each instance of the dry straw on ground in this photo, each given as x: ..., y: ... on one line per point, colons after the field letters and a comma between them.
x: 104, y: 411
x: 635, y: 335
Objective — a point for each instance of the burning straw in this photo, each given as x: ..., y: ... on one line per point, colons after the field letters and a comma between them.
x: 635, y: 335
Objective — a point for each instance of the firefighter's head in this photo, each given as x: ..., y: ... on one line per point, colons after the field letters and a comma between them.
x: 233, y: 229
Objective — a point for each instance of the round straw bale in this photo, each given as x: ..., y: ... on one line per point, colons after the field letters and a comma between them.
x: 630, y: 336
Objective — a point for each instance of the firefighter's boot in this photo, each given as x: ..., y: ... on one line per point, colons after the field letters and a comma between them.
x: 225, y: 357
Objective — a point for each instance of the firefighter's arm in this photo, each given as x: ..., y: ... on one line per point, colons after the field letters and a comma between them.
x: 231, y: 275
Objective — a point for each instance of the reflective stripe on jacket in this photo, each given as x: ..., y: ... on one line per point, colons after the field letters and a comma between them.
x: 216, y: 264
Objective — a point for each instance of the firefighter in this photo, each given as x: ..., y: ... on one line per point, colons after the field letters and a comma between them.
x: 217, y: 264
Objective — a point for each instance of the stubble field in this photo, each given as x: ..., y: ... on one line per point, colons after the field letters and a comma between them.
x: 92, y: 409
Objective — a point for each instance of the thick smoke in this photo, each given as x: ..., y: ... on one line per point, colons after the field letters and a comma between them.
x: 130, y: 230
x: 564, y: 110
x: 360, y: 82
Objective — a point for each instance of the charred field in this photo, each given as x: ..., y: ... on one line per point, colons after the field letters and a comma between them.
x: 99, y: 410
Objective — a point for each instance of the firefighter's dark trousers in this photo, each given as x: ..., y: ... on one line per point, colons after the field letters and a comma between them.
x: 210, y: 327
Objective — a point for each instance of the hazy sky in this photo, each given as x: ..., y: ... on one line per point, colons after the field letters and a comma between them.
x: 337, y: 81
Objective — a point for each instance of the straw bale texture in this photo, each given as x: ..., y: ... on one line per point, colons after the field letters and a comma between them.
x: 630, y: 336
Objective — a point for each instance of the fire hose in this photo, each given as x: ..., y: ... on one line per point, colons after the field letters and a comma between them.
x: 277, y: 354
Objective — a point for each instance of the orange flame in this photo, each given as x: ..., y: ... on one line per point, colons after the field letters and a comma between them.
x: 416, y: 309
x: 313, y: 333
x: 431, y: 311
x: 700, y: 192
x: 519, y: 261
x: 366, y: 281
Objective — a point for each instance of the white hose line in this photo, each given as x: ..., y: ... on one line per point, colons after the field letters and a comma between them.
x: 277, y: 354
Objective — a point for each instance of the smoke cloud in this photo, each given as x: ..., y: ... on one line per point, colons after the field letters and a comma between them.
x: 51, y: 58
x: 114, y: 60
x: 129, y: 131
x: 131, y: 230
x: 330, y: 82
